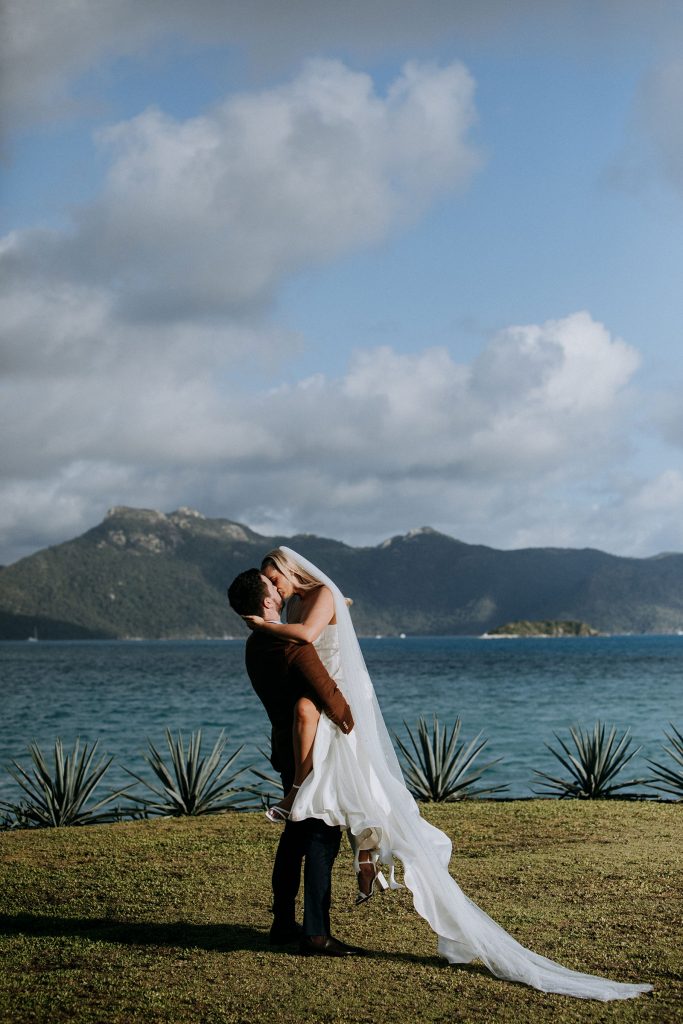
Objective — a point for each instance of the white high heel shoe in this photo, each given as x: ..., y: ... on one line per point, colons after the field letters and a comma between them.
x: 277, y: 814
x: 366, y: 885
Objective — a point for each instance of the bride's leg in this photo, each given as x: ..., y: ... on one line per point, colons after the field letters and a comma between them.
x: 306, y: 718
x: 304, y: 728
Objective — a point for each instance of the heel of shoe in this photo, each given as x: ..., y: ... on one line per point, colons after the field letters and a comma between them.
x: 277, y: 815
x: 378, y: 881
x: 381, y: 882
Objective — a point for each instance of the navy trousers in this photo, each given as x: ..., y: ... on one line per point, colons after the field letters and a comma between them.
x: 316, y: 844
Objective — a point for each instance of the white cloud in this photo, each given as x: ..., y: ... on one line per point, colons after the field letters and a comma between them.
x: 644, y: 513
x: 126, y: 337
x: 205, y: 217
x: 398, y: 440
x: 117, y: 332
x: 532, y: 399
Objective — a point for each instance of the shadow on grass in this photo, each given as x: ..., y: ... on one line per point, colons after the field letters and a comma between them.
x: 220, y: 938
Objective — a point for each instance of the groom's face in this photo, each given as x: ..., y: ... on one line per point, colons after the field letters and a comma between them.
x: 273, y: 601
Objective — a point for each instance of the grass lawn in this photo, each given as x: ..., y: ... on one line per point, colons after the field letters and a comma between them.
x: 167, y: 920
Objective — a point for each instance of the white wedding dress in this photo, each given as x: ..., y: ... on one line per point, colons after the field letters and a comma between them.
x: 357, y: 783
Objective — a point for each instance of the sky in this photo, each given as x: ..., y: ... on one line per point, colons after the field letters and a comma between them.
x: 344, y: 269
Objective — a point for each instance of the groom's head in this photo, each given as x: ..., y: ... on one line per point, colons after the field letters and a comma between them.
x: 252, y: 593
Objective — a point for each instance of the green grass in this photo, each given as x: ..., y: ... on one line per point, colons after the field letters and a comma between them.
x: 167, y: 921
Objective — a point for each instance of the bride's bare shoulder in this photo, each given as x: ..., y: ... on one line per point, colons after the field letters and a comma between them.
x: 318, y: 602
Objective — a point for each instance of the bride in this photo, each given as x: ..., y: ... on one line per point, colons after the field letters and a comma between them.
x: 356, y: 782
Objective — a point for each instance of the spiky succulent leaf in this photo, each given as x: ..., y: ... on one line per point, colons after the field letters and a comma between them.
x: 60, y: 798
x: 439, y: 768
x: 669, y: 778
x: 593, y: 764
x: 190, y: 784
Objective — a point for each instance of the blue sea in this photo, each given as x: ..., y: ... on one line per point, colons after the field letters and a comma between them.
x: 516, y: 692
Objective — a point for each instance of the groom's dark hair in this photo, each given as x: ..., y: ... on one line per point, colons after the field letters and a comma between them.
x: 247, y: 592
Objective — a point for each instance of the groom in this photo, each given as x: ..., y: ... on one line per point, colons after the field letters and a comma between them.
x: 281, y: 671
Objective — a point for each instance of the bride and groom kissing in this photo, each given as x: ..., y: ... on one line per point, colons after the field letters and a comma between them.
x: 284, y: 672
x: 339, y: 770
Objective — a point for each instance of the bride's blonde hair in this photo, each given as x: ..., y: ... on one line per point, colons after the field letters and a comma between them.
x: 291, y: 569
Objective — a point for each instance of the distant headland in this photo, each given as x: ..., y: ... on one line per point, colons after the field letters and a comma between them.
x: 544, y: 627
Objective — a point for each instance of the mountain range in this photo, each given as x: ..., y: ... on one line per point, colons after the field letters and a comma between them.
x: 145, y: 574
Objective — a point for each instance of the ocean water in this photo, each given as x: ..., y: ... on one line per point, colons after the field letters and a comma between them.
x: 516, y: 692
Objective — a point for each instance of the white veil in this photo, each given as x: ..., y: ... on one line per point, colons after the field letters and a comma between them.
x: 357, y: 782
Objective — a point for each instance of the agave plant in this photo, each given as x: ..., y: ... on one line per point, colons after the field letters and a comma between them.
x: 60, y: 799
x: 593, y: 765
x: 439, y: 768
x: 8, y: 818
x: 191, y: 785
x: 670, y: 779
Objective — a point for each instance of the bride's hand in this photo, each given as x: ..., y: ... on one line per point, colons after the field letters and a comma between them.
x: 254, y: 621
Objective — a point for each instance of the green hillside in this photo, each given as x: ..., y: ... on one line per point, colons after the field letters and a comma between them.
x: 141, y: 573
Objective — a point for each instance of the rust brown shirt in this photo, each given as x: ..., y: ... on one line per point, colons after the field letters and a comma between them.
x: 281, y: 671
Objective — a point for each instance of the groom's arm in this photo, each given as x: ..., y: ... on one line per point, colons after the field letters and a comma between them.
x: 304, y: 662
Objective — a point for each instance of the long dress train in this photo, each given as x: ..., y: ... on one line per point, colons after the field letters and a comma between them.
x: 357, y: 783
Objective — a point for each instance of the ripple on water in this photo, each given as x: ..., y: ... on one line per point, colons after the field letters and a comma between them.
x: 517, y: 692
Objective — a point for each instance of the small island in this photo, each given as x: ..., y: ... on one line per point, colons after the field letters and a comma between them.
x: 545, y: 627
